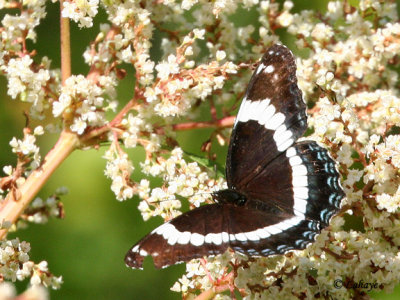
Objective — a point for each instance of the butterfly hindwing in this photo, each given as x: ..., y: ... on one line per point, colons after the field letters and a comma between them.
x: 217, y: 228
x: 301, y: 181
x: 316, y: 180
x: 194, y: 234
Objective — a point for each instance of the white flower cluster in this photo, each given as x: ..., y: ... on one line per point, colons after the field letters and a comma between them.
x: 119, y: 168
x: 81, y: 12
x: 183, y: 179
x: 86, y: 100
x: 44, y: 210
x: 27, y: 148
x: 41, y: 210
x: 15, y: 265
x: 179, y: 84
x: 133, y: 126
x: 130, y: 43
x: 28, y: 84
x: 357, y: 59
x: 178, y: 95
x: 29, y: 81
x: 386, y: 163
x: 207, y: 274
x: 390, y: 203
x: 17, y: 26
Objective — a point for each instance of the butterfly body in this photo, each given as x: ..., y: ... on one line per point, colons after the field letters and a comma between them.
x: 281, y: 192
x: 229, y: 196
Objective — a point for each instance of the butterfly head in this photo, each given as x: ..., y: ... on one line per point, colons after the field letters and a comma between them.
x: 229, y: 196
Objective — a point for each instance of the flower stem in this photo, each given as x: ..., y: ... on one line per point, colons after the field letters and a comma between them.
x: 11, y: 208
x: 206, y: 295
x: 15, y: 202
x: 224, y: 122
x: 65, y: 46
x: 210, y: 293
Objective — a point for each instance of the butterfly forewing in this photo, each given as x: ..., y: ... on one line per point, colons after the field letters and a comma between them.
x: 270, y: 119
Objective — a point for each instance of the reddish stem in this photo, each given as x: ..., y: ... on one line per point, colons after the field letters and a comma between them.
x: 224, y: 122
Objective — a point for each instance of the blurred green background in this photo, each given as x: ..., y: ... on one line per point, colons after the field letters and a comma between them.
x: 88, y: 246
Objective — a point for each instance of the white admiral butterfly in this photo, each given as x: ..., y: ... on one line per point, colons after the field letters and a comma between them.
x: 280, y: 194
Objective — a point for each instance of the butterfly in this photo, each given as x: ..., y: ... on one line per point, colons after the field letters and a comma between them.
x: 281, y: 193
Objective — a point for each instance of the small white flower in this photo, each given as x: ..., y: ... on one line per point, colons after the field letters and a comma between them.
x: 38, y: 130
x: 23, y: 257
x: 285, y: 19
x: 35, y: 279
x: 287, y: 5
x: 322, y: 32
x: 78, y: 126
x: 176, y: 287
x: 220, y: 55
x: 8, y: 170
x: 43, y: 266
x: 59, y: 106
x: 199, y: 33
x: 189, y: 51
x: 151, y: 94
x: 164, y: 69
x: 187, y: 4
